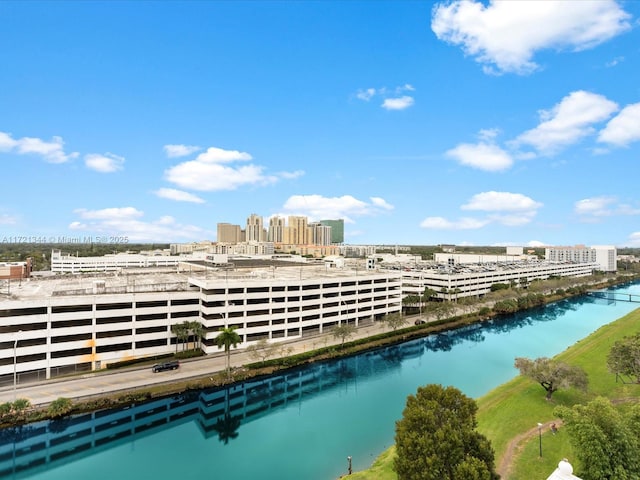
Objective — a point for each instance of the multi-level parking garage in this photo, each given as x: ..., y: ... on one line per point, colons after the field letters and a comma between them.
x: 54, y: 326
x: 82, y: 323
x: 475, y: 280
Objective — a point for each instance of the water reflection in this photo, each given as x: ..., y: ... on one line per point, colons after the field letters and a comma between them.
x: 222, y: 412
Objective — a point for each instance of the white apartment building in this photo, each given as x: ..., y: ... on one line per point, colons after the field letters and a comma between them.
x: 276, y: 229
x: 254, y: 231
x: 186, y: 248
x: 320, y: 234
x: 604, y: 256
x: 62, y: 325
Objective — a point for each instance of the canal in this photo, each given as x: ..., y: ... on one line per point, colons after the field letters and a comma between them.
x: 301, y: 425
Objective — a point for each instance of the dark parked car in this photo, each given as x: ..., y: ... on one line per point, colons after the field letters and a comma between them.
x: 161, y: 367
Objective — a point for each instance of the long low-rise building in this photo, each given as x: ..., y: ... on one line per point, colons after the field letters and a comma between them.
x: 476, y: 280
x: 67, y: 263
x: 54, y: 326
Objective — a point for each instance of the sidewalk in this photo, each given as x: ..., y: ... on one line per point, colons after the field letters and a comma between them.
x: 94, y: 384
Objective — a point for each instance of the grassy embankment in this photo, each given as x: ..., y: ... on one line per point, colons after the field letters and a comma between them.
x: 517, y: 406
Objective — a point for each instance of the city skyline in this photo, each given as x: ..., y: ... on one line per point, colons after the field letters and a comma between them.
x: 418, y: 123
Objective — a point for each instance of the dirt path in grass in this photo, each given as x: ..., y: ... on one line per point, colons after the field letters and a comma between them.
x: 515, y: 446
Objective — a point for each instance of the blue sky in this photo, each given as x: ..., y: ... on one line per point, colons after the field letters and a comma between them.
x: 464, y: 122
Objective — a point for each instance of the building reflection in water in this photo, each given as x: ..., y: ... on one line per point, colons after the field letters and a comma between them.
x: 221, y: 412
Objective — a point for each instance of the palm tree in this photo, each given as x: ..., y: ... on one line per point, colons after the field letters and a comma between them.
x: 181, y: 333
x: 197, y: 330
x: 226, y: 338
x: 411, y: 301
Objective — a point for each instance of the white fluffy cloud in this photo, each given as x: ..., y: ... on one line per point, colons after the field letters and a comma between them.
x: 501, y: 202
x: 366, y: 94
x: 173, y: 151
x: 400, y: 103
x: 291, y: 175
x: 347, y: 207
x: 109, y: 213
x: 536, y: 243
x: 624, y: 128
x: 504, y: 208
x: 595, y: 208
x: 52, y: 152
x: 127, y: 222
x: 568, y: 122
x: 440, y: 223
x: 483, y: 156
x: 634, y: 239
x: 204, y: 176
x: 6, y: 219
x: 218, y: 155
x: 504, y: 36
x: 393, y: 99
x: 178, y: 195
x: 381, y: 202
x: 212, y: 170
x: 106, y: 163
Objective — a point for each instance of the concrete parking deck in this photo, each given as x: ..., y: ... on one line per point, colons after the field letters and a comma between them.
x: 95, y: 384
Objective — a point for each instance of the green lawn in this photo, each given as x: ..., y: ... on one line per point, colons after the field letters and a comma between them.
x: 517, y: 406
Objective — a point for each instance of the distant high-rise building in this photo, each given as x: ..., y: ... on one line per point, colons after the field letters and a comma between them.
x: 297, y: 232
x: 255, y: 230
x: 320, y: 234
x: 228, y: 233
x: 276, y: 230
x: 337, y: 229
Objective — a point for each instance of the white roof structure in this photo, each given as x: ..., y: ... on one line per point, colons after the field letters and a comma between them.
x: 563, y: 472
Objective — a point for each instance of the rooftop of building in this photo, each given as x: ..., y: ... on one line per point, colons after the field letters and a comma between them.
x: 138, y: 280
x: 471, y: 268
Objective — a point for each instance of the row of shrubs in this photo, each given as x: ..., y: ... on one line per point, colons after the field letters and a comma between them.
x: 20, y: 411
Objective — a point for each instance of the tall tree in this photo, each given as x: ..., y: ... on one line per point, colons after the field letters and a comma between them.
x: 262, y: 350
x: 226, y: 338
x: 394, y: 320
x: 181, y: 332
x: 605, y: 441
x: 412, y: 301
x: 197, y: 330
x: 428, y: 294
x: 436, y: 438
x: 624, y: 357
x: 344, y: 332
x: 552, y: 374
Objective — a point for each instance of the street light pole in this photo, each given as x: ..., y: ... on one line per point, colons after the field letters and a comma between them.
x: 540, y: 437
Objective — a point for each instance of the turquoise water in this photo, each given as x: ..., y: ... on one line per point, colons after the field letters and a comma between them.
x: 301, y: 425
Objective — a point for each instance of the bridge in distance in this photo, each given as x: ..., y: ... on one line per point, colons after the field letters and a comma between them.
x: 614, y: 296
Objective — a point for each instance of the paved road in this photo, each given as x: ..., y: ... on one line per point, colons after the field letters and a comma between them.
x: 98, y: 383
